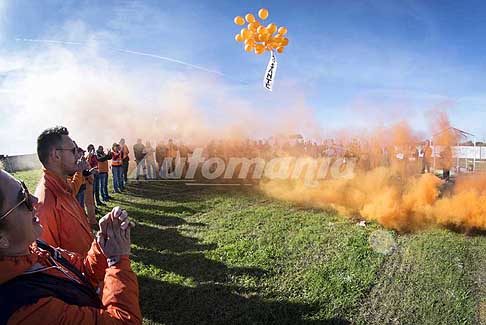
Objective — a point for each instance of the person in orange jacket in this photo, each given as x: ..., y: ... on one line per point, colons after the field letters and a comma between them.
x: 64, y: 221
x: 80, y: 194
x: 89, y: 197
x: 89, y: 200
x: 92, y: 160
x: 117, y: 168
x: 42, y: 284
x: 103, y: 169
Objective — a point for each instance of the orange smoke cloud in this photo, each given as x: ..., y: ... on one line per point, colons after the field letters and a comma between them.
x: 395, y: 195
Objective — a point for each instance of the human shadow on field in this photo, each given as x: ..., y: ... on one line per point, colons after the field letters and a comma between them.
x: 213, y: 299
x: 166, y: 239
x: 193, y: 265
x: 210, y: 295
x: 156, y: 214
x: 212, y: 303
x: 162, y: 191
x: 178, y: 209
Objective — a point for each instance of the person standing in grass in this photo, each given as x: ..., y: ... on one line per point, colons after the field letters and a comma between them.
x: 150, y: 161
x: 103, y: 171
x: 89, y: 194
x: 93, y: 163
x: 117, y: 168
x: 125, y: 159
x: 82, y: 189
x: 64, y: 221
x: 160, y: 154
x: 427, y: 157
x: 172, y: 154
x: 139, y: 152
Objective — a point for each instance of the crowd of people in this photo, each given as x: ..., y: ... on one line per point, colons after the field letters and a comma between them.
x: 408, y: 159
x: 159, y: 161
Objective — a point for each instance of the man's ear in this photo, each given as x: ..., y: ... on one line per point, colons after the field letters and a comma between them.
x: 4, y: 243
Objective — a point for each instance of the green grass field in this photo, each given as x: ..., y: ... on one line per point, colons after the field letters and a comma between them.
x: 232, y: 255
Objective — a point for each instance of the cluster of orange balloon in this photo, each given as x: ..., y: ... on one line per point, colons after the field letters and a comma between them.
x: 258, y: 37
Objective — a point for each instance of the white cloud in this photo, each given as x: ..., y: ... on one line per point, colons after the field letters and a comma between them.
x: 101, y: 100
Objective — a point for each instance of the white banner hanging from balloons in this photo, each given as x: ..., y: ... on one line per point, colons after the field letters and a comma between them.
x: 270, y: 72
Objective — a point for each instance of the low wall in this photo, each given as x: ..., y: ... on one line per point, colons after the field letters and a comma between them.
x: 20, y: 162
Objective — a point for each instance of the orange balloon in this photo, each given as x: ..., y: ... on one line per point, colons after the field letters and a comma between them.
x: 285, y: 41
x: 250, y: 41
x: 250, y: 18
x: 268, y: 46
x: 280, y: 49
x: 263, y: 13
x: 258, y: 38
x: 248, y: 47
x: 239, y: 38
x: 261, y: 30
x: 272, y: 45
x: 245, y: 33
x: 239, y: 20
x: 253, y: 26
x: 282, y: 30
x: 264, y: 37
x: 259, y: 47
x: 272, y: 28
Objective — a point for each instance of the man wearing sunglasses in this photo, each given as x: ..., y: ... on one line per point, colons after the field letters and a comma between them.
x: 41, y: 284
x: 64, y: 220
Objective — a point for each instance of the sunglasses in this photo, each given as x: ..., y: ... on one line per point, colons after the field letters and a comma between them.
x: 73, y: 150
x: 24, y: 192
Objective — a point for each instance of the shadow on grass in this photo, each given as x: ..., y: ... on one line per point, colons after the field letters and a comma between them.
x: 213, y: 299
x: 193, y: 265
x: 177, y: 209
x: 217, y: 304
x: 160, y: 219
x: 179, y: 192
x: 212, y: 296
x: 169, y: 239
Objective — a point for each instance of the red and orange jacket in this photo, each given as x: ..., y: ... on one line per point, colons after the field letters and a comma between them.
x: 64, y: 221
x: 92, y: 160
x: 116, y: 158
x: 120, y: 291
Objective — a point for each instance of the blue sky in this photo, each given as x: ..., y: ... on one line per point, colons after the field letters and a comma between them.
x: 351, y: 62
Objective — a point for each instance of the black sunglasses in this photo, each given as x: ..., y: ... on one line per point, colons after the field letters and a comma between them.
x: 73, y: 150
x: 24, y: 192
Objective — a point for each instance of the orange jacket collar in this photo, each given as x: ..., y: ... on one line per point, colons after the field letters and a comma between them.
x: 13, y: 266
x: 56, y: 182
